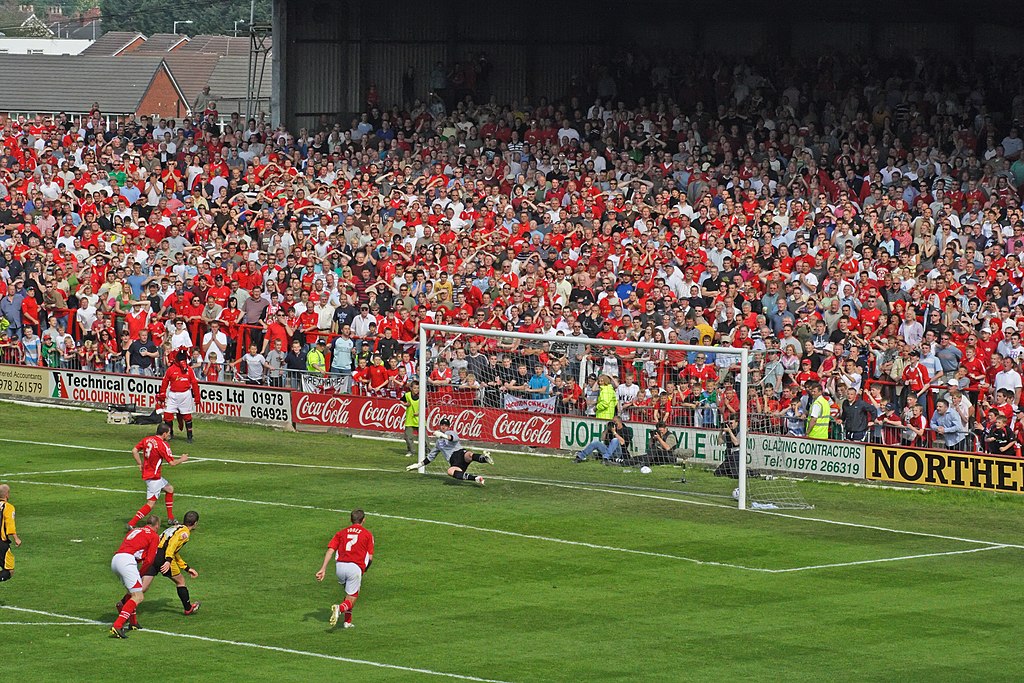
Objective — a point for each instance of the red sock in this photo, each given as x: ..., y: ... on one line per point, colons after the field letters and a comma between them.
x: 169, y: 500
x: 181, y: 423
x: 133, y: 619
x: 348, y: 617
x: 345, y: 606
x: 143, y: 511
x: 126, y: 613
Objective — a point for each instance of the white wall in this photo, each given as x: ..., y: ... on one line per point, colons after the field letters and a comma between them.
x: 43, y: 46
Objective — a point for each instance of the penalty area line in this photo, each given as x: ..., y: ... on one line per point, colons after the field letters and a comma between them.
x: 269, y: 648
x: 585, y: 486
x: 84, y: 469
x: 887, y: 559
x: 419, y: 520
x: 65, y: 445
x: 44, y: 623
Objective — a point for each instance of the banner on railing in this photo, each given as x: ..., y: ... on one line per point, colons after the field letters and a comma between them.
x: 323, y: 384
x: 779, y: 453
x: 544, y: 406
x: 388, y: 415
x: 221, y: 400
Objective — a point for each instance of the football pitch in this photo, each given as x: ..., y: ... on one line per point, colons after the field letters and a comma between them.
x: 552, y: 572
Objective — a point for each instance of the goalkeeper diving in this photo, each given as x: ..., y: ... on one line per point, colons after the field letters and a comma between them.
x: 459, y: 458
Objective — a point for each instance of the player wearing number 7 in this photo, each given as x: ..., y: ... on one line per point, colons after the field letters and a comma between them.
x: 150, y: 454
x: 459, y: 458
x: 352, y: 550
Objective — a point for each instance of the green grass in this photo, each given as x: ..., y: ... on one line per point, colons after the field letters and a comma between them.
x: 473, y: 602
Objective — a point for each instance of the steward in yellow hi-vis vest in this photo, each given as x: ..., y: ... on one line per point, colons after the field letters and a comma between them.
x: 819, y: 413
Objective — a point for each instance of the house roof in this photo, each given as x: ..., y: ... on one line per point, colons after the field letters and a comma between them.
x: 77, y: 28
x: 159, y: 43
x: 19, y: 21
x: 112, y: 43
x: 191, y: 71
x: 230, y: 80
x: 228, y: 46
x: 75, y: 83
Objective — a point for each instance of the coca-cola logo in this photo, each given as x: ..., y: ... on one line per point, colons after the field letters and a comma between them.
x: 330, y: 411
x: 389, y: 418
x: 534, y: 430
x: 468, y: 424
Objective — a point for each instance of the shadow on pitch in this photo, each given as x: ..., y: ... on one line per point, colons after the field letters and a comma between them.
x: 320, y: 616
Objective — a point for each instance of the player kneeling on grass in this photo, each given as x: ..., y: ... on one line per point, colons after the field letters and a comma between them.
x: 169, y: 562
x: 150, y: 454
x: 138, y: 547
x: 459, y: 458
x: 352, y: 549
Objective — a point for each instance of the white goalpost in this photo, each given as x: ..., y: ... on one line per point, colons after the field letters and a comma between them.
x: 426, y: 355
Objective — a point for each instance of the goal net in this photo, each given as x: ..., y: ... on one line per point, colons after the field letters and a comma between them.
x: 659, y: 416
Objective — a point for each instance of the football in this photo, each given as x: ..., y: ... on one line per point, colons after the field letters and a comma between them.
x: 645, y: 470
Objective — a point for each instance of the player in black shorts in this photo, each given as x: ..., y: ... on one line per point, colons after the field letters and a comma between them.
x: 459, y: 458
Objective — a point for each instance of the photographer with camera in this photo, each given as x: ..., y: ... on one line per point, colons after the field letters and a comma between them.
x: 730, y: 466
x: 613, y: 446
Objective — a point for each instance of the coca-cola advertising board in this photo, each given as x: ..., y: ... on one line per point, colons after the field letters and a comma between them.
x: 486, y: 425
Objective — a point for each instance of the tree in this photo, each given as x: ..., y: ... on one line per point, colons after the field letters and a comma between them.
x: 158, y: 16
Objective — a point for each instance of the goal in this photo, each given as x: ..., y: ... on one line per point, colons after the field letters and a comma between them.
x: 551, y: 393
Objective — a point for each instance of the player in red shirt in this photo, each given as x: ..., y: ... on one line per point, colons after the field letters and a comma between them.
x: 150, y: 454
x: 180, y: 393
x: 352, y: 549
x: 137, y: 549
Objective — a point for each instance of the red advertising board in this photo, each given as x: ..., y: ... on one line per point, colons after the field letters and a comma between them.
x: 486, y: 425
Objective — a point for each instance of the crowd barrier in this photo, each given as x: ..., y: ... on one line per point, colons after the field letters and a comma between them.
x: 796, y: 455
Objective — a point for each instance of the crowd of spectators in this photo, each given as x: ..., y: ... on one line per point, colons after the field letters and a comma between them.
x: 857, y: 222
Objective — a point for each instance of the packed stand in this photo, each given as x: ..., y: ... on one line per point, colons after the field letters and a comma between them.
x: 856, y: 223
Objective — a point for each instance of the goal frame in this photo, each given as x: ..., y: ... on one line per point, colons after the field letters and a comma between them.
x: 744, y: 355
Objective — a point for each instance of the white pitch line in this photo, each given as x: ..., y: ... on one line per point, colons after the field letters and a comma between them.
x: 391, y: 439
x: 34, y: 404
x: 923, y: 534
x: 84, y: 469
x: 44, y: 623
x: 501, y: 532
x: 291, y: 464
x: 271, y: 648
x: 595, y: 487
x: 887, y: 559
x: 66, y: 445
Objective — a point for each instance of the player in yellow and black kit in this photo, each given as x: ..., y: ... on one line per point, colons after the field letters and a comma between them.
x: 8, y: 533
x: 169, y: 562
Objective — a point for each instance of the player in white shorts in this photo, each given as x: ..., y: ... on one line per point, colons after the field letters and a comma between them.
x: 350, y: 575
x: 139, y: 546
x: 179, y: 393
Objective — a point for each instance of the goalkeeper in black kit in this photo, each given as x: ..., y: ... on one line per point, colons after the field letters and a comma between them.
x: 459, y: 458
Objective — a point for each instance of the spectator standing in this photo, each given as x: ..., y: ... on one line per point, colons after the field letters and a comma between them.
x: 946, y: 423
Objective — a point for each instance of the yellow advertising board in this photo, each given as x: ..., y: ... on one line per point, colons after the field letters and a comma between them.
x: 20, y: 380
x: 979, y: 471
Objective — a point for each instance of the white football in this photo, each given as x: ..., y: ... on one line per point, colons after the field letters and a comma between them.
x: 736, y: 493
x: 645, y: 470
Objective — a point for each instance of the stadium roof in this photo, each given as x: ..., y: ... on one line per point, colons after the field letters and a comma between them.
x: 53, y: 83
x: 112, y: 43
